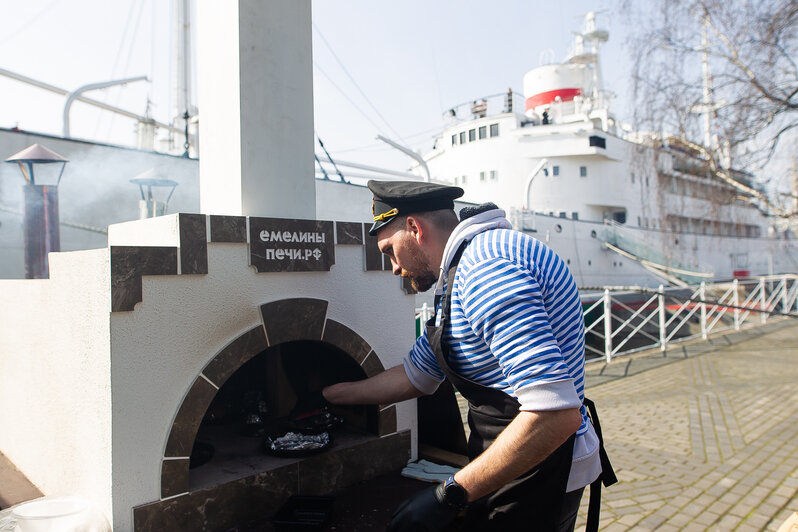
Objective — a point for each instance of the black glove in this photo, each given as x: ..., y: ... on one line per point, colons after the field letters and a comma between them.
x: 425, y: 511
x: 309, y: 404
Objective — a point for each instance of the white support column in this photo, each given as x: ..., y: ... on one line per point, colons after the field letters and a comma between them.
x: 255, y: 77
x: 607, y: 326
x: 784, y: 295
x: 736, y: 303
x: 763, y: 316
x: 663, y: 333
x: 702, y: 295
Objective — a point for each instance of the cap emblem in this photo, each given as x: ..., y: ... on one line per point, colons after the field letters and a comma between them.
x: 386, y: 215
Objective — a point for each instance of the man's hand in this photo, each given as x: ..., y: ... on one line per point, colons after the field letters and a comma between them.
x: 309, y: 404
x: 425, y: 511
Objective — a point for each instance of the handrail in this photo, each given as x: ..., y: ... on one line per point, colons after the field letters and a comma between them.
x: 624, y: 320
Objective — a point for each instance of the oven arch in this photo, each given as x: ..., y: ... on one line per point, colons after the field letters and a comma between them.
x: 283, y: 321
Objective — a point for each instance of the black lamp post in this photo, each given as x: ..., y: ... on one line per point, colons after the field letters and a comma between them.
x: 41, y: 226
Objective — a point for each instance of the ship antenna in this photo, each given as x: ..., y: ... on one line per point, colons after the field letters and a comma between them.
x: 343, y: 180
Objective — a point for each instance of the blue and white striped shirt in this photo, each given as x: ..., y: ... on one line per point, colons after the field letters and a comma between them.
x: 516, y: 325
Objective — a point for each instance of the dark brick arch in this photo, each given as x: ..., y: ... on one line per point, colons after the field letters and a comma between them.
x: 286, y: 320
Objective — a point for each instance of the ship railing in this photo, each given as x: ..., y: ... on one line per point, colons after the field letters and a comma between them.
x: 490, y: 105
x: 625, y: 320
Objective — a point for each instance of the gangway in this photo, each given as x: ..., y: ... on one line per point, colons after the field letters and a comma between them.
x: 623, y: 241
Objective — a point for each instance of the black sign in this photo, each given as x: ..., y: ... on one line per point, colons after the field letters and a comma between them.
x: 281, y: 245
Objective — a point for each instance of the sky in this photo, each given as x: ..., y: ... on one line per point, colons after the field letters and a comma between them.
x: 389, y: 68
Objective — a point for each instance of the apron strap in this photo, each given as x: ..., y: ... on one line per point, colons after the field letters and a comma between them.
x: 607, y: 476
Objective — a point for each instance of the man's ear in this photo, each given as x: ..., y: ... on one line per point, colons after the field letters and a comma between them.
x: 414, y: 226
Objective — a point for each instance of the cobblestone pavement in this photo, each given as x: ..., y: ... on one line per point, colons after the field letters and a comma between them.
x: 703, y: 438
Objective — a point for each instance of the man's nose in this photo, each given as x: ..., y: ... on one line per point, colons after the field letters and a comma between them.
x: 396, y: 269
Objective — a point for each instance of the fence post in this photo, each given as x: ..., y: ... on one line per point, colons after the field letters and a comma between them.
x: 784, y: 292
x: 736, y: 303
x: 702, y: 295
x: 763, y: 317
x: 663, y: 333
x: 607, y: 326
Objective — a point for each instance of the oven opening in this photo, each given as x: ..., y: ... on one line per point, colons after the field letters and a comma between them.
x: 256, y: 402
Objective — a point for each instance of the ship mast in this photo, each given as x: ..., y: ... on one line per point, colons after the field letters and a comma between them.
x: 182, y: 110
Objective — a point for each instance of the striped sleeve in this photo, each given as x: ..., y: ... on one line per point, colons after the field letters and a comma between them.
x: 421, y: 366
x: 502, y: 303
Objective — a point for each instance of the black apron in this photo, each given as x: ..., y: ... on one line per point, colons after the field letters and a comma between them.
x: 534, y: 500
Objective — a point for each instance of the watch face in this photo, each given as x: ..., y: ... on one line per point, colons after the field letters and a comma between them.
x: 455, y: 494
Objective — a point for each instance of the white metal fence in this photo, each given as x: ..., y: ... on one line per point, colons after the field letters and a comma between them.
x: 623, y: 321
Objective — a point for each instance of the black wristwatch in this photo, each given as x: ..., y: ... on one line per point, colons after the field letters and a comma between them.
x: 453, y: 494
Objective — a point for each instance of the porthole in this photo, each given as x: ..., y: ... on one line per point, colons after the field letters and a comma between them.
x: 590, y: 263
x: 558, y: 228
x: 593, y: 234
x: 568, y: 261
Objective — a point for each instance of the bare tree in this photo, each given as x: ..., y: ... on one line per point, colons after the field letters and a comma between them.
x: 721, y: 75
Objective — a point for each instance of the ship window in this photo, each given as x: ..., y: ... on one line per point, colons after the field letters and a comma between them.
x: 558, y: 228
x: 482, y: 176
x: 583, y: 171
x: 493, y: 175
x: 563, y: 214
x: 454, y: 140
x: 555, y: 170
x: 483, y: 132
x: 472, y: 135
x: 462, y: 137
x: 463, y: 180
x: 494, y: 130
x: 638, y: 222
x: 456, y: 179
x: 598, y: 142
x: 575, y: 215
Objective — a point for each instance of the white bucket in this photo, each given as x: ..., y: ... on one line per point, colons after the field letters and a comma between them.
x: 59, y: 514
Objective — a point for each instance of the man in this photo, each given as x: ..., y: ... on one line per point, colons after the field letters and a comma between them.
x: 509, y: 334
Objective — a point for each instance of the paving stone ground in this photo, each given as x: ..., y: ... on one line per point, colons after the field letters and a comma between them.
x: 704, y: 437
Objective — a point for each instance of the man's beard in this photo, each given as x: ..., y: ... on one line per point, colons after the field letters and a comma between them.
x: 423, y: 278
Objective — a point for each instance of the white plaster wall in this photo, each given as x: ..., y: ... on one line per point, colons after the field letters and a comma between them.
x: 158, y: 231
x: 255, y: 80
x: 220, y: 126
x: 152, y: 371
x: 55, y: 389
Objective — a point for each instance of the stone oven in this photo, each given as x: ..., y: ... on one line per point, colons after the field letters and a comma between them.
x: 131, y: 358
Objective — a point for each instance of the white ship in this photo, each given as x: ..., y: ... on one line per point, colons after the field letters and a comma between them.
x: 619, y: 212
x: 555, y: 159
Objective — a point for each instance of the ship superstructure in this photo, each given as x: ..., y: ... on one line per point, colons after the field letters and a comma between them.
x: 622, y: 207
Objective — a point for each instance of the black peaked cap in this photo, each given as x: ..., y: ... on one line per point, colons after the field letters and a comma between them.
x: 394, y: 198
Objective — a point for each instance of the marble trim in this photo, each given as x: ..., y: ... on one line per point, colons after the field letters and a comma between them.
x: 129, y: 264
x: 284, y: 320
x: 193, y: 244
x: 233, y: 505
x: 228, y: 228
x: 349, y: 233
